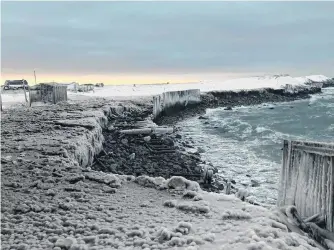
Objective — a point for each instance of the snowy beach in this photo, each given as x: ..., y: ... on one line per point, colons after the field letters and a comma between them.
x: 51, y: 201
x: 52, y: 198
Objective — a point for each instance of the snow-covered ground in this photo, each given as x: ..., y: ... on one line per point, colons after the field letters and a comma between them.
x: 275, y: 82
x: 49, y: 201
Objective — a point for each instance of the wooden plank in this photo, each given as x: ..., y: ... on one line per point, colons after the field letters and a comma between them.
x: 314, y: 150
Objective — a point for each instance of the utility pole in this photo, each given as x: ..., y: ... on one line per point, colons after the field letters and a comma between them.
x: 35, y: 77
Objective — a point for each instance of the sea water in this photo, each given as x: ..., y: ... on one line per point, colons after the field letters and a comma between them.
x: 245, y: 143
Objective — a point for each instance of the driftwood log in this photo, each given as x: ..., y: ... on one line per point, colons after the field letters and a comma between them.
x: 157, y: 130
x: 310, y: 226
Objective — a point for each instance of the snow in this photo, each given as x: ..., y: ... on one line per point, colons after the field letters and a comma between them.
x: 315, y: 78
x: 247, y: 83
x: 10, y: 98
x: 76, y: 208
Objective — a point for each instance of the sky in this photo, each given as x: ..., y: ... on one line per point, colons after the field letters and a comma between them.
x: 153, y: 42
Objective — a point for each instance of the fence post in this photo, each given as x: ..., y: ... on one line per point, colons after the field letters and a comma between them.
x: 0, y: 102
x: 29, y: 97
x: 25, y: 94
x: 54, y: 94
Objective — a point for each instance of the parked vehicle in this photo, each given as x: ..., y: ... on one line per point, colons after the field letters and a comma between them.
x: 15, y: 84
x: 99, y: 84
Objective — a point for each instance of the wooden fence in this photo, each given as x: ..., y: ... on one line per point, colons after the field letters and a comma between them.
x: 307, y: 179
x: 49, y: 93
x: 169, y: 102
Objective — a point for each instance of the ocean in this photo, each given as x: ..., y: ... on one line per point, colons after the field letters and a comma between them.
x: 245, y: 143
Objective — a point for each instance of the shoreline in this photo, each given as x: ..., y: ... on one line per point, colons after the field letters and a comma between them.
x: 52, y: 198
x: 229, y: 100
x: 232, y: 99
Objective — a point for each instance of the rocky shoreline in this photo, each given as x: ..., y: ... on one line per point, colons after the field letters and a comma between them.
x: 230, y: 99
x: 54, y: 197
x: 131, y: 154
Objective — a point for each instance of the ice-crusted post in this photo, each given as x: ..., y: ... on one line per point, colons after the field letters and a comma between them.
x: 307, y: 179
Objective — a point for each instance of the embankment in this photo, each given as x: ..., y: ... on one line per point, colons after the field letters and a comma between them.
x: 50, y: 199
x: 171, y: 102
x: 232, y: 99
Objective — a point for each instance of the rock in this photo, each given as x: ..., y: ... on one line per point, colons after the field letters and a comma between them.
x: 220, y: 186
x: 65, y: 243
x: 203, y: 118
x: 200, y: 150
x: 228, y: 108
x: 132, y: 156
x: 76, y: 178
x: 22, y: 208
x: 248, y: 175
x: 23, y: 246
x: 147, y: 138
x: 242, y: 194
x: 178, y: 136
x: 124, y: 141
x: 169, y: 141
x: 109, y: 190
x: 271, y: 108
x: 255, y: 183
x: 181, y: 183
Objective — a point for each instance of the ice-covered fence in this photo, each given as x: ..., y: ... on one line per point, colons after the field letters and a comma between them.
x: 169, y: 102
x: 307, y: 179
x: 86, y: 88
x: 49, y: 93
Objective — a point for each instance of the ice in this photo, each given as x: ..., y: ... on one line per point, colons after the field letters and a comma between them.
x: 247, y: 83
x: 77, y: 208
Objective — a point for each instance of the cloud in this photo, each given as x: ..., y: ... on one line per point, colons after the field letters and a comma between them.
x: 153, y: 37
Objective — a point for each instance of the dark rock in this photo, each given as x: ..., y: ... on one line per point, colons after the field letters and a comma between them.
x: 220, y: 186
x: 22, y: 208
x: 203, y: 118
x: 178, y: 136
x: 255, y: 183
x: 76, y: 179
x: 248, y: 175
x: 233, y: 181
x: 271, y: 108
x: 228, y: 108
x: 200, y: 150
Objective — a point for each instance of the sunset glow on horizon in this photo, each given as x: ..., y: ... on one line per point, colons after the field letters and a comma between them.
x: 117, y: 79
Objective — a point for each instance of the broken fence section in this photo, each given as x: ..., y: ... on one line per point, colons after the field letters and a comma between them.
x: 170, y: 102
x: 49, y: 93
x: 307, y: 179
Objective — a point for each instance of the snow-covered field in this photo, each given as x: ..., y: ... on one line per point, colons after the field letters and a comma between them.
x: 132, y: 91
x: 274, y: 82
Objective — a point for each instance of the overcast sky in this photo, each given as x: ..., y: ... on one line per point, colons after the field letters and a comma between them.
x: 167, y: 37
